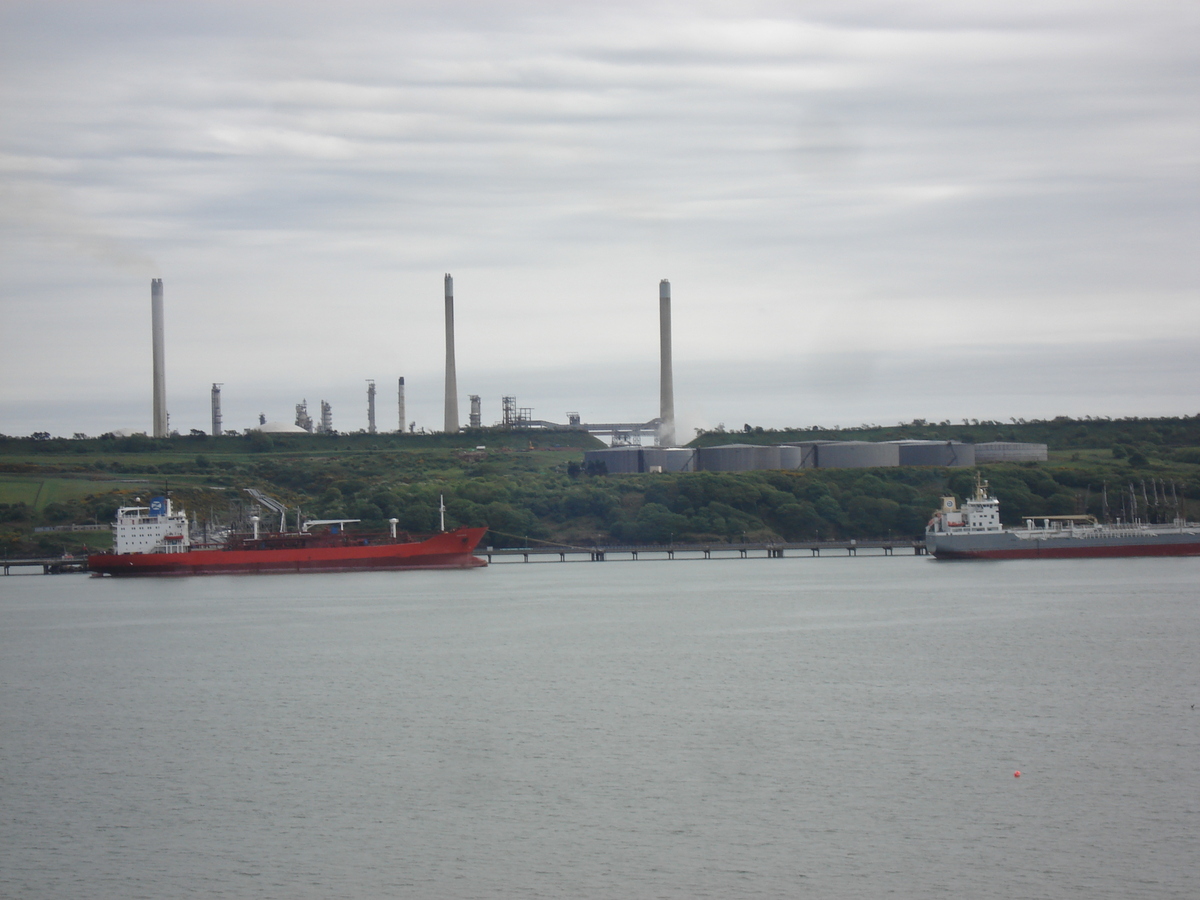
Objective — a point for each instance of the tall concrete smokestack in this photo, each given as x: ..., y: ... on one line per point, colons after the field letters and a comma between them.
x: 451, y: 424
x: 666, y: 383
x: 370, y: 406
x: 400, y: 404
x: 161, y: 428
x: 216, y: 409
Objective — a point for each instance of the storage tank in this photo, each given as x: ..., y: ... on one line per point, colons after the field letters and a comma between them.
x: 936, y: 453
x: 857, y: 455
x: 737, y: 458
x: 634, y: 460
x: 277, y: 428
x: 616, y: 460
x: 668, y: 459
x: 791, y: 457
x: 1010, y: 451
x: 799, y: 454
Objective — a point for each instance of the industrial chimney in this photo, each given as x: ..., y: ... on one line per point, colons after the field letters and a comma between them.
x: 370, y: 406
x: 400, y: 403
x: 216, y: 409
x: 451, y: 424
x: 666, y: 384
x: 160, y: 379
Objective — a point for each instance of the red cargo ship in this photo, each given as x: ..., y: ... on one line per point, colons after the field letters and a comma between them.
x: 154, y: 540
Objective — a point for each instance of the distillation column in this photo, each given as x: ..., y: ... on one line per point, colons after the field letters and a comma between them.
x: 216, y: 409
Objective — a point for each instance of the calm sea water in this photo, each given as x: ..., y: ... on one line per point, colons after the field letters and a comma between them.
x: 726, y: 729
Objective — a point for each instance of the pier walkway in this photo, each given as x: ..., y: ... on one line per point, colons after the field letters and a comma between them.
x: 633, y: 552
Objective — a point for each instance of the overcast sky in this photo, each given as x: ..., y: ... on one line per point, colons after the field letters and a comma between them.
x: 869, y: 211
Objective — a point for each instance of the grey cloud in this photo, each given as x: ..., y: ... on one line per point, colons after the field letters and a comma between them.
x: 966, y: 163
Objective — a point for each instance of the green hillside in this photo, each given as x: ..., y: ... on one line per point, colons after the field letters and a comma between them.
x: 531, y: 487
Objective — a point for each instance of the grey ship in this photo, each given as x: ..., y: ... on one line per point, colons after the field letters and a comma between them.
x: 974, y: 532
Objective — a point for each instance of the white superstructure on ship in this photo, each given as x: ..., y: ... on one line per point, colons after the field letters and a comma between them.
x: 156, y: 528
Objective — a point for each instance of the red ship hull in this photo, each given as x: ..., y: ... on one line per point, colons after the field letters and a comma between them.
x: 451, y: 550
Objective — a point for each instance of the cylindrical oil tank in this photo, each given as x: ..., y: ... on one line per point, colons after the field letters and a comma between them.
x: 857, y: 455
x: 635, y: 460
x: 936, y: 453
x: 737, y: 458
x: 671, y: 459
x: 616, y: 460
x: 1010, y: 451
x: 799, y: 454
x: 791, y: 457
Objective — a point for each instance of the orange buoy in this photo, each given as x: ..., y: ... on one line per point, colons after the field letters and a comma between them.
x: 1017, y: 774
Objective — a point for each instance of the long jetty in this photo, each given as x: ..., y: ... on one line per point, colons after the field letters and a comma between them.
x: 748, y: 550
x: 58, y: 565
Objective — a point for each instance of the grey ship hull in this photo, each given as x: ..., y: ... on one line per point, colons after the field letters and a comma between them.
x: 1067, y: 543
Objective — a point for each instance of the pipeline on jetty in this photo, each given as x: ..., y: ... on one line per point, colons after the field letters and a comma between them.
x: 750, y: 550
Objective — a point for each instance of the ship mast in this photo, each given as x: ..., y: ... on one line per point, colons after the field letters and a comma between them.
x: 981, y: 486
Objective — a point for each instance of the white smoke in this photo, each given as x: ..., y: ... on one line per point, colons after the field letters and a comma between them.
x: 41, y: 213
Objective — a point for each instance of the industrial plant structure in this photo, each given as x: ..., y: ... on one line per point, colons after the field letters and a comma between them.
x: 666, y: 378
x: 400, y: 404
x: 161, y: 424
x: 627, y: 454
x: 620, y: 433
x: 303, y: 419
x: 451, y: 417
x: 216, y: 409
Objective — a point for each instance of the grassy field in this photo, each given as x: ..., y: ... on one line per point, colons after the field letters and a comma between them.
x: 37, y: 493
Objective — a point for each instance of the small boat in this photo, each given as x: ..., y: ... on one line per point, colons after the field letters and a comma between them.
x: 974, y: 532
x: 155, y: 540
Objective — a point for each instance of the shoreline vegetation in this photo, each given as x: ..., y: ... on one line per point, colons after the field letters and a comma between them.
x: 532, y: 489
